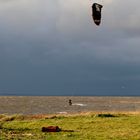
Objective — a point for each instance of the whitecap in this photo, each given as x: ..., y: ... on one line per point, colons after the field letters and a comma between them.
x: 79, y: 104
x: 63, y: 112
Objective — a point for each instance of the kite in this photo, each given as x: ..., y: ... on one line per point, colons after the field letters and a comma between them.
x: 96, y: 13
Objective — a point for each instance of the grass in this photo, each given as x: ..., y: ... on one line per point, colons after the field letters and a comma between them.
x: 97, y: 126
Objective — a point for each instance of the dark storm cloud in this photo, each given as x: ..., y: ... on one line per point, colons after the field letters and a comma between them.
x: 54, y: 48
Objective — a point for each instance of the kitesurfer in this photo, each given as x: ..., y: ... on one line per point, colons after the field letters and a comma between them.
x: 70, y: 102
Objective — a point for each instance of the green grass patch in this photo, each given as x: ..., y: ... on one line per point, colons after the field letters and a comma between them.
x: 76, y: 127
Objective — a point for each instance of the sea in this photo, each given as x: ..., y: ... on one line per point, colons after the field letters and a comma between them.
x: 60, y: 104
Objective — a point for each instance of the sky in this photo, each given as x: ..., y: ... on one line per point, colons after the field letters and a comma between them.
x: 53, y: 47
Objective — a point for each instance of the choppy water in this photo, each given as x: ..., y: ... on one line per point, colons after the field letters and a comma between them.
x: 53, y: 104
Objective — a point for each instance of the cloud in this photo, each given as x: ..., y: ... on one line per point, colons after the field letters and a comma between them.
x: 54, y: 46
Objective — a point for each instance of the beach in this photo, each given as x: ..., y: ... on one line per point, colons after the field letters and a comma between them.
x: 60, y: 104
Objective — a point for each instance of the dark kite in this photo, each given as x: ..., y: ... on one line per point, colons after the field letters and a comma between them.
x: 96, y: 13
